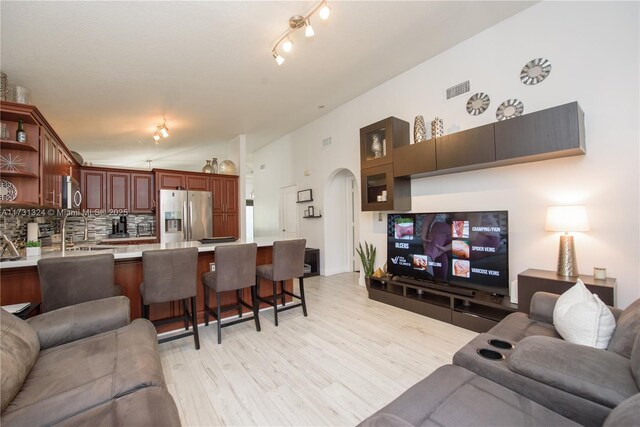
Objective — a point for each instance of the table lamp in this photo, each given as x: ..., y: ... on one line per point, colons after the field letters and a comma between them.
x: 566, y: 219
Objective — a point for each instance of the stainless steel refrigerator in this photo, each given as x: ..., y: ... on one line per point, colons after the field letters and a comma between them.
x: 185, y: 215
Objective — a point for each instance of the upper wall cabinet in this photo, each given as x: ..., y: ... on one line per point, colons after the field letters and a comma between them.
x: 469, y: 147
x: 550, y: 133
x: 378, y: 141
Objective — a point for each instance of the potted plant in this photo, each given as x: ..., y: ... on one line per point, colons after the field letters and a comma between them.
x: 368, y: 258
x: 34, y: 248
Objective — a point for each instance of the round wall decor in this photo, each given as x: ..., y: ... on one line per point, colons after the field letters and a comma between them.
x: 509, y: 109
x: 478, y: 103
x: 535, y: 71
x: 8, y: 191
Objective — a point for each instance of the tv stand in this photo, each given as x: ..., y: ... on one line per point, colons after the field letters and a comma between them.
x: 434, y: 285
x: 475, y: 310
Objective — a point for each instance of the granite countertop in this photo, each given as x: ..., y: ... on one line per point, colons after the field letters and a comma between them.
x: 130, y: 251
x: 127, y: 239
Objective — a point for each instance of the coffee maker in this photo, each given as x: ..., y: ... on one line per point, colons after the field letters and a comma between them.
x: 119, y: 228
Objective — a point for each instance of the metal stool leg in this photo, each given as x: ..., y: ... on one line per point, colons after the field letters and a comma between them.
x: 206, y: 305
x: 194, y: 323
x: 282, y: 285
x: 304, y: 302
x: 238, y: 296
x: 275, y: 302
x: 219, y: 317
x: 185, y: 314
x: 256, y: 303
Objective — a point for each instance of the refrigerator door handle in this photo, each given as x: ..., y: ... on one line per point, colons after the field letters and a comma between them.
x: 184, y: 221
x: 190, y: 220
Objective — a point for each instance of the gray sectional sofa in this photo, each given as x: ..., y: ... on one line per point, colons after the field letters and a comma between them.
x: 542, y: 380
x: 83, y: 365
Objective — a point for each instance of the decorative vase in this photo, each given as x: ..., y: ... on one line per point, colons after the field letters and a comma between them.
x: 207, y: 168
x: 214, y: 165
x: 419, y: 130
x: 33, y: 251
x: 376, y: 146
x: 437, y: 128
x: 23, y: 95
x: 227, y: 167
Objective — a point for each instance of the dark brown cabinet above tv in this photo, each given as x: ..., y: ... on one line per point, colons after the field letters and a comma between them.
x: 547, y: 134
x: 381, y: 190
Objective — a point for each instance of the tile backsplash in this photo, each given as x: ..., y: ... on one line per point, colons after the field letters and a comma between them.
x: 15, y: 227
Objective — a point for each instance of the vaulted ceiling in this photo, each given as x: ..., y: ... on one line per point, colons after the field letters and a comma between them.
x: 106, y: 73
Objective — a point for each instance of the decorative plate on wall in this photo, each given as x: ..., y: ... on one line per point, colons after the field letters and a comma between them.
x: 509, y: 109
x: 535, y: 71
x: 8, y: 191
x: 478, y: 103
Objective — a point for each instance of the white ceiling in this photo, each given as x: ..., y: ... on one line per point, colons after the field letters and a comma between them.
x: 105, y: 73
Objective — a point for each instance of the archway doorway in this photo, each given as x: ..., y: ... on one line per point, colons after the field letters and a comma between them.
x: 341, y: 222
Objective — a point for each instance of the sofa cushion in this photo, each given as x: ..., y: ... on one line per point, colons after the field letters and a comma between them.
x: 594, y: 374
x: 151, y: 406
x: 625, y: 414
x: 635, y: 360
x: 580, y: 317
x: 517, y: 326
x: 626, y: 331
x: 19, y: 348
x: 73, y: 377
x: 454, y: 396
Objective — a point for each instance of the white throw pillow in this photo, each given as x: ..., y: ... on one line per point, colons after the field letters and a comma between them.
x: 580, y: 317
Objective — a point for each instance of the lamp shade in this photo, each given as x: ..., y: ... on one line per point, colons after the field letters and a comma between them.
x: 567, y: 218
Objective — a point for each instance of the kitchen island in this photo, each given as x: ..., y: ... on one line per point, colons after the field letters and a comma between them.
x: 19, y: 281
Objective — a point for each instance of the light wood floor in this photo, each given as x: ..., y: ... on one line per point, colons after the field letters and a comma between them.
x: 346, y: 360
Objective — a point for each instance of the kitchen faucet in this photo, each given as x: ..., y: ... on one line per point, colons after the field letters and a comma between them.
x: 63, y: 229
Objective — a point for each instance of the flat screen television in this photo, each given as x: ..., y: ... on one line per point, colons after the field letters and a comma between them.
x: 466, y: 249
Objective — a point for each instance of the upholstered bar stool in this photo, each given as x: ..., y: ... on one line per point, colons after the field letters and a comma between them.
x: 66, y: 281
x: 171, y: 275
x: 235, y: 270
x: 288, y: 263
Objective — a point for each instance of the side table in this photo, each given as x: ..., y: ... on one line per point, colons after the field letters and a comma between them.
x: 531, y: 281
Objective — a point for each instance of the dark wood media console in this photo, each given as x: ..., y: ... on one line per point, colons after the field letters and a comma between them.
x: 475, y: 310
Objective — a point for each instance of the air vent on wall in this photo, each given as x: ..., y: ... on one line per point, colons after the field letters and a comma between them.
x: 458, y: 89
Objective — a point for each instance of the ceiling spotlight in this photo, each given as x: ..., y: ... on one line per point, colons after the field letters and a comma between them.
x: 156, y: 137
x: 164, y: 131
x: 325, y: 11
x: 308, y: 29
x: 279, y: 59
x: 296, y: 22
x: 287, y: 45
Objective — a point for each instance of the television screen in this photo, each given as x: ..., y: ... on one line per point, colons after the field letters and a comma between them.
x: 467, y: 249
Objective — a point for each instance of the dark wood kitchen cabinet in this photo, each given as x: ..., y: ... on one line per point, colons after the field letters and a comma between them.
x: 168, y: 180
x: 198, y: 183
x: 225, y: 206
x: 94, y: 189
x: 142, y: 193
x: 118, y: 190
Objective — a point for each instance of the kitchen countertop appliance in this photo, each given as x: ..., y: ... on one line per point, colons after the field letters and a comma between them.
x: 185, y: 215
x: 118, y: 228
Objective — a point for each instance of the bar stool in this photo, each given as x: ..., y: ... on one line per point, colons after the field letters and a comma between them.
x: 171, y: 275
x: 235, y: 270
x: 288, y: 263
x: 66, y: 281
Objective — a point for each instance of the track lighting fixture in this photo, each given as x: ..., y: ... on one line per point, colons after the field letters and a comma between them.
x: 296, y: 22
x: 287, y: 45
x: 325, y: 11
x: 308, y: 29
x: 162, y: 131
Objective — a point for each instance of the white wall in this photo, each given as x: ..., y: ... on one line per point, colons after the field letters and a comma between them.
x: 272, y: 170
x: 594, y: 49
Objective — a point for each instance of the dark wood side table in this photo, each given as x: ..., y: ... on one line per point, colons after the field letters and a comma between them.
x: 33, y: 308
x: 531, y: 281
